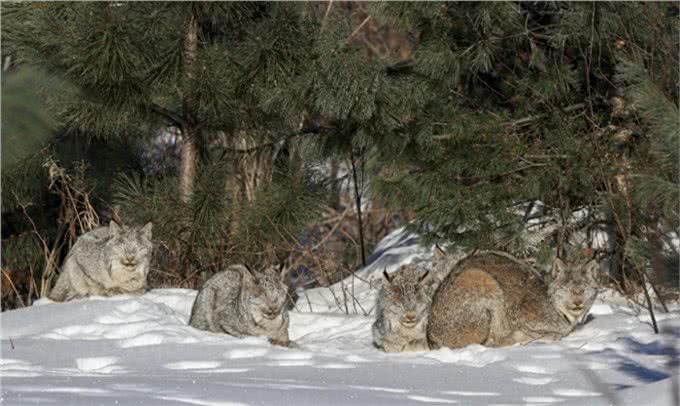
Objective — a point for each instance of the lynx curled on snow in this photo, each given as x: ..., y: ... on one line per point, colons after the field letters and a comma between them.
x: 241, y: 303
x: 495, y: 300
x: 106, y: 261
x: 402, y: 310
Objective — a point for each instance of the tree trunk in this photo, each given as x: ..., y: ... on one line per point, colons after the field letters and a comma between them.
x: 187, y: 171
x: 254, y: 166
x: 335, y: 185
x: 187, y: 166
x: 294, y: 158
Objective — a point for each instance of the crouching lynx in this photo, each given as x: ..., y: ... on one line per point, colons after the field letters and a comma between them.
x: 402, y: 310
x: 106, y: 261
x: 240, y: 303
x: 495, y: 300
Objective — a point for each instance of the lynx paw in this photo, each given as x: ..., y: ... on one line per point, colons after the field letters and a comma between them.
x: 283, y: 343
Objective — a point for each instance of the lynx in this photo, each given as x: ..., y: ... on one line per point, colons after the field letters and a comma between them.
x: 240, y: 303
x: 494, y: 300
x: 402, y: 310
x: 443, y: 261
x: 106, y: 261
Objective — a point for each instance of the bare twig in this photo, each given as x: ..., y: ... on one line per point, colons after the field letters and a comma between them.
x: 328, y: 10
x: 658, y: 295
x: 366, y: 20
x: 331, y: 232
x: 649, y: 302
x: 50, y: 256
x: 357, y: 197
x: 14, y: 288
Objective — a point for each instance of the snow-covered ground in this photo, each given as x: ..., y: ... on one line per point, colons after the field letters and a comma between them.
x: 139, y: 351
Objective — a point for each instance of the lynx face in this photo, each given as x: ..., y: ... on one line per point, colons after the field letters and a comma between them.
x: 129, y: 249
x: 267, y: 295
x: 406, y: 298
x: 573, y: 288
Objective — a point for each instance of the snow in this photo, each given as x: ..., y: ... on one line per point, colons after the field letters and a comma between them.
x: 139, y: 350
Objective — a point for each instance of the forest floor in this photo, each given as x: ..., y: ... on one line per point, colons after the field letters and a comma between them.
x: 130, y: 350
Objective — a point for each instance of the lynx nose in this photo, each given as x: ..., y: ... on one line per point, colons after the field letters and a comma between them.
x: 577, y: 304
x: 409, y: 318
x: 129, y: 261
x: 271, y: 313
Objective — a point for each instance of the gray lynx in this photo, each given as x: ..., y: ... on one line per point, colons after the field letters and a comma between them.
x: 443, y: 261
x: 240, y: 303
x: 106, y: 261
x: 402, y: 310
x: 494, y: 300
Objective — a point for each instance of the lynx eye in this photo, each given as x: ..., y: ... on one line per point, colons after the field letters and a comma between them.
x: 396, y: 293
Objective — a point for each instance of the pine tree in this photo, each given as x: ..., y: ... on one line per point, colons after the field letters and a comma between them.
x: 655, y: 179
x: 136, y: 71
x: 356, y: 84
x: 230, y: 72
x: 520, y: 108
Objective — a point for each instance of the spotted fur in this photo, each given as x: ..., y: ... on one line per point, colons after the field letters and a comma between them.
x: 496, y: 300
x: 402, y: 310
x: 106, y: 261
x: 241, y: 303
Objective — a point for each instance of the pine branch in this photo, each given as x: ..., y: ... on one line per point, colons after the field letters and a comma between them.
x: 520, y: 122
x: 173, y: 118
x: 529, y: 119
x: 303, y: 132
x: 472, y: 180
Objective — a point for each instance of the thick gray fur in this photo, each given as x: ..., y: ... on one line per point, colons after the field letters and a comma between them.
x: 402, y: 310
x: 445, y: 260
x: 495, y: 300
x: 106, y: 261
x: 240, y: 303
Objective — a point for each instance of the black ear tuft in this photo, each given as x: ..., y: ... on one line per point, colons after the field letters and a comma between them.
x: 425, y: 275
x: 250, y: 271
x: 386, y: 275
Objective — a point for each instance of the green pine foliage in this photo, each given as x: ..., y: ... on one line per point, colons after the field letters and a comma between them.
x: 132, y: 75
x: 518, y: 111
x: 656, y: 185
x: 215, y: 229
x: 27, y: 124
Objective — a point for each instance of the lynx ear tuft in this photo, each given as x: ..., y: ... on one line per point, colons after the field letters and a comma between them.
x: 439, y: 251
x: 424, y: 277
x: 387, y: 276
x: 250, y: 273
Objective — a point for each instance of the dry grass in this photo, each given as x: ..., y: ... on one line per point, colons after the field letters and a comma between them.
x: 77, y: 215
